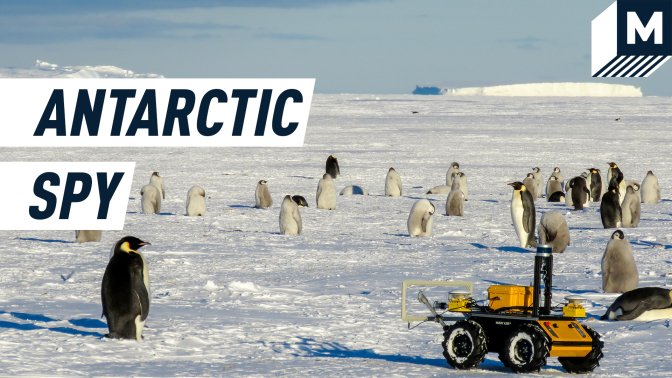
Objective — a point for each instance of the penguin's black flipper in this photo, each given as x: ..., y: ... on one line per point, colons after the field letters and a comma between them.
x: 635, y: 312
x: 529, y: 216
x: 138, y: 285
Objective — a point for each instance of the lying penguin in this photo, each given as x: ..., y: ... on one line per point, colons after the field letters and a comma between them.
x: 644, y: 303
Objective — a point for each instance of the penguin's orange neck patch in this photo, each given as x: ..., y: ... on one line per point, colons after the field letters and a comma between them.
x: 126, y: 247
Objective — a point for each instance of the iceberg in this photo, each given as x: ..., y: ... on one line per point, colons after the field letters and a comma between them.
x: 50, y: 70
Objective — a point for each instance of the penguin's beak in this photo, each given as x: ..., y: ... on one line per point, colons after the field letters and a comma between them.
x: 510, y: 184
x: 144, y: 243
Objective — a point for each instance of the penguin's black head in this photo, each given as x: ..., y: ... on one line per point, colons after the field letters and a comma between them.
x: 129, y: 244
x: 536, y: 170
x: 612, y: 164
x: 612, y: 188
x: 300, y: 200
x: 594, y: 170
x: 553, y: 178
x: 455, y: 165
x: 517, y: 185
x: 155, y: 174
x: 262, y: 182
x: 634, y: 186
x: 530, y: 175
x: 459, y: 174
x: 391, y: 169
x: 556, y: 169
x: 649, y: 173
x: 618, y: 234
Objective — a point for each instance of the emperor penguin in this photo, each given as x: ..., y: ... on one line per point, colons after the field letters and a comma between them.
x: 290, y: 218
x: 125, y: 290
x: 300, y: 200
x: 650, y: 188
x: 157, y: 181
x: 331, y: 167
x: 595, y: 184
x: 538, y: 181
x: 554, y: 179
x: 619, y: 271
x: 531, y: 184
x: 439, y: 189
x: 568, y: 193
x: 326, y: 193
x: 553, y: 187
x: 455, y: 202
x: 83, y: 236
x: 420, y: 219
x: 613, y: 171
x: 262, y: 197
x: 393, y: 184
x: 151, y: 199
x: 580, y: 192
x: 523, y: 214
x: 630, y: 208
x: 634, y: 303
x: 461, y: 181
x: 450, y: 174
x: 553, y: 231
x: 354, y: 190
x: 610, y: 209
x: 196, y: 201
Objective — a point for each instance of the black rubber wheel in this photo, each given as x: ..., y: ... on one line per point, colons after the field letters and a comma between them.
x: 525, y: 349
x: 590, y: 361
x: 464, y: 344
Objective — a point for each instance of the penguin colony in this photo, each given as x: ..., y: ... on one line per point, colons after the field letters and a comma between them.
x: 125, y: 291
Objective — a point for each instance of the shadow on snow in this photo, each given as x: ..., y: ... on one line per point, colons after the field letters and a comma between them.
x: 84, y: 322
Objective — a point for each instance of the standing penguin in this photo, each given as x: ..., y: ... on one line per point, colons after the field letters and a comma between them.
x: 619, y: 272
x: 262, y: 197
x: 196, y: 201
x: 523, y: 214
x: 595, y: 184
x: 531, y: 184
x: 555, y: 177
x: 393, y: 184
x: 125, y: 290
x: 538, y: 181
x: 554, y: 191
x: 613, y: 171
x: 83, y: 236
x: 157, y: 181
x: 455, y: 202
x: 610, y: 209
x: 290, y: 218
x: 420, y: 219
x: 151, y: 199
x: 630, y: 208
x: 461, y: 181
x: 580, y: 192
x: 650, y: 188
x: 326, y: 193
x: 553, y: 230
x: 452, y: 171
x: 331, y: 167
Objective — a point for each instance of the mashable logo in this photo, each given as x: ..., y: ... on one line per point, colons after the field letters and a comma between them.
x: 632, y: 38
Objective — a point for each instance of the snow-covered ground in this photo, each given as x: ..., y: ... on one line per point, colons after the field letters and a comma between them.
x: 231, y: 296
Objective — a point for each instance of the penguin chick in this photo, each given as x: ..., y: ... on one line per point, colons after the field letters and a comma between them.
x: 553, y: 231
x: 157, y: 181
x: 393, y: 184
x: 290, y: 218
x: 619, y: 271
x: 262, y: 197
x: 650, y: 188
x: 523, y: 214
x: 331, y: 167
x: 326, y: 193
x: 83, y: 236
x: 538, y: 180
x: 151, y: 199
x: 553, y: 186
x: 196, y: 201
x: 420, y: 218
x: 125, y: 290
x: 531, y: 184
x: 630, y: 208
x: 455, y: 202
x: 450, y: 174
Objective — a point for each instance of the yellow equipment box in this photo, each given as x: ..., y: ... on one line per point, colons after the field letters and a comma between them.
x: 509, y: 296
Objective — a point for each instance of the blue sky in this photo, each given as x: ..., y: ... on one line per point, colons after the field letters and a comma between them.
x: 366, y: 46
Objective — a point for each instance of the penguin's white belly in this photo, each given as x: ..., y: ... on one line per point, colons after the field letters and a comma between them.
x: 517, y: 218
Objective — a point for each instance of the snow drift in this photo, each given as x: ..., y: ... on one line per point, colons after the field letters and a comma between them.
x: 551, y: 90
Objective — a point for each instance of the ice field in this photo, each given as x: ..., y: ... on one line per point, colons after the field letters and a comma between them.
x: 232, y: 297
